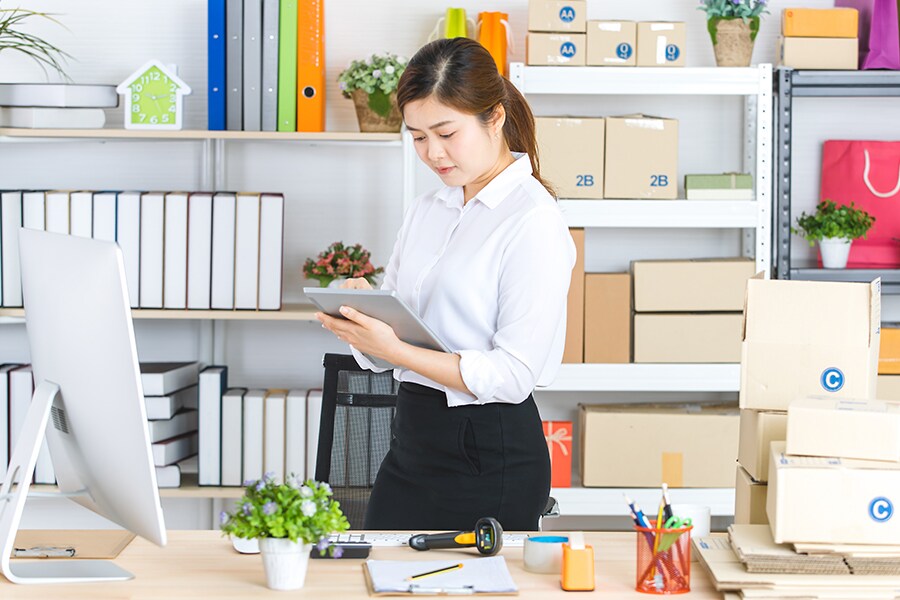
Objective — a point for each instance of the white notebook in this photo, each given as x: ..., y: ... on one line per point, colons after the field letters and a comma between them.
x: 175, y: 251
x: 271, y: 243
x: 232, y: 436
x: 223, y: 251
x: 253, y: 434
x: 11, y: 221
x: 199, y: 250
x: 213, y: 383
x: 105, y: 216
x: 33, y: 211
x: 274, y: 433
x: 246, y: 252
x: 128, y: 236
x: 57, y: 211
x: 82, y: 218
x: 152, y: 232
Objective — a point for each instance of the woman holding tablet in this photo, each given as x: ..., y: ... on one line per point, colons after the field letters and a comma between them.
x: 486, y: 262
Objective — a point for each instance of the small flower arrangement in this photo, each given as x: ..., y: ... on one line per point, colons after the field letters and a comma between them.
x: 731, y: 9
x: 833, y: 221
x: 377, y: 76
x: 341, y: 261
x: 300, y: 511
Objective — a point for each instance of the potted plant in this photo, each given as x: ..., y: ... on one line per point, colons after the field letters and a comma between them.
x: 733, y: 26
x: 338, y: 262
x: 372, y: 84
x: 834, y: 227
x: 288, y: 519
x: 42, y: 52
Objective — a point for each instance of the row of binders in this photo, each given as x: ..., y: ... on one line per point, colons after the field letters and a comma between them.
x: 198, y: 250
x: 266, y: 65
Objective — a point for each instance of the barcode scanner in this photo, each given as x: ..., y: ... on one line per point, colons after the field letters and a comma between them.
x: 487, y: 537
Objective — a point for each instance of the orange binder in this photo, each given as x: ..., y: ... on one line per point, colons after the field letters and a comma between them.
x: 311, y: 65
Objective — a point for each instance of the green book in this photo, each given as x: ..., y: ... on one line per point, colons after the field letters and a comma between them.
x: 287, y: 66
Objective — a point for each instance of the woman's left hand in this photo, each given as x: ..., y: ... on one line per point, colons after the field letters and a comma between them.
x: 366, y: 334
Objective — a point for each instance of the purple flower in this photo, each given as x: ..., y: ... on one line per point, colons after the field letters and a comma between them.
x: 736, y: 2
x: 223, y: 517
x: 260, y: 485
x: 269, y: 476
x: 338, y: 552
x: 269, y: 508
x: 322, y: 545
x: 248, y: 482
x: 247, y: 508
x: 343, y: 86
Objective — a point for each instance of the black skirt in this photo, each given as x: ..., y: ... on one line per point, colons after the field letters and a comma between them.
x: 448, y: 467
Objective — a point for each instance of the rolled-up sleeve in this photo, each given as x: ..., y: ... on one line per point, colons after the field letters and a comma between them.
x: 535, y: 272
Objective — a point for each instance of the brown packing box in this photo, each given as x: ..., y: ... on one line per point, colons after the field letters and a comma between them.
x: 611, y: 43
x: 698, y: 285
x: 687, y: 338
x: 555, y: 16
x: 607, y: 318
x: 888, y: 387
x: 660, y: 44
x: 574, y: 349
x: 641, y: 158
x: 749, y: 500
x: 819, y: 53
x: 805, y: 338
x: 571, y: 153
x: 556, y: 49
x: 644, y: 446
x: 758, y: 431
x: 820, y: 22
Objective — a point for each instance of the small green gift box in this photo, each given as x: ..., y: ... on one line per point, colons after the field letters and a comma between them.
x: 723, y: 186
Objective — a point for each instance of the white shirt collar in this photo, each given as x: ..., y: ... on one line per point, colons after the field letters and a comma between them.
x: 497, y: 189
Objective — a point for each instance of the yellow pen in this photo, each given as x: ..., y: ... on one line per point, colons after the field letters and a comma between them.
x: 435, y: 572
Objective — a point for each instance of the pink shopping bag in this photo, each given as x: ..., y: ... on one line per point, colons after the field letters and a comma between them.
x: 879, y: 33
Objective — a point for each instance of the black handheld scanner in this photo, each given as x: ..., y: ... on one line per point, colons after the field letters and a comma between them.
x: 487, y: 537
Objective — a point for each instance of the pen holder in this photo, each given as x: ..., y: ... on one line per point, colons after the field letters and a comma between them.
x: 663, y: 560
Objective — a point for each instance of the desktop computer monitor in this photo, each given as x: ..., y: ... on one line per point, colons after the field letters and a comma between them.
x: 88, y: 398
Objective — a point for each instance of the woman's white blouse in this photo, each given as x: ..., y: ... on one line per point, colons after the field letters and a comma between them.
x: 491, y: 279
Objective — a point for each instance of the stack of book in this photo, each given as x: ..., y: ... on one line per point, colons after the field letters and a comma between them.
x: 182, y: 250
x: 16, y: 391
x: 55, y: 105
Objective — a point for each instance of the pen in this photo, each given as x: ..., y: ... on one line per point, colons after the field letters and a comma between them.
x: 667, y: 506
x: 435, y: 572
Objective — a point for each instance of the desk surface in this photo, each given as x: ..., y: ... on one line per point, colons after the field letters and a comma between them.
x: 202, y: 564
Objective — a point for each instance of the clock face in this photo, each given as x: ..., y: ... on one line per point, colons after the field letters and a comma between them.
x: 153, y: 99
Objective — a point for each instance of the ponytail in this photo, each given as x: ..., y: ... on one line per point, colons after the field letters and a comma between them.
x: 519, y: 130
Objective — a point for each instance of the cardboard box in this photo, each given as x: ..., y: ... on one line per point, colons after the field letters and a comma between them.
x: 611, y: 43
x: 758, y: 431
x: 725, y: 186
x: 571, y: 153
x: 698, y: 285
x: 820, y: 22
x: 819, y: 53
x: 889, y: 353
x: 660, y: 44
x: 556, y: 49
x: 641, y: 158
x: 644, y: 446
x: 749, y: 500
x: 687, y: 338
x: 574, y: 349
x: 803, y: 338
x: 888, y: 387
x: 832, y: 500
x: 843, y: 427
x: 558, y: 435
x: 607, y: 318
x: 549, y: 16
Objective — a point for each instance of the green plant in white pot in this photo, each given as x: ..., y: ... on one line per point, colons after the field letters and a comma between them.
x: 834, y: 227
x: 288, y: 519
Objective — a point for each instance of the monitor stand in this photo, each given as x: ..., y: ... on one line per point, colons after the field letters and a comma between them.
x: 12, y: 503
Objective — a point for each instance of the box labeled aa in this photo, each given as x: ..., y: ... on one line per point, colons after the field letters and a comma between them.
x: 611, y: 43
x: 845, y: 428
x: 554, y: 16
x: 687, y: 338
x: 696, y: 285
x: 571, y: 153
x: 749, y: 500
x: 758, y: 431
x: 607, y: 318
x: 641, y: 158
x: 660, y: 44
x: 831, y: 54
x: 556, y: 49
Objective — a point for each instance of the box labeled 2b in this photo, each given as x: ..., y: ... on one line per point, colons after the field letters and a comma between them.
x: 641, y: 158
x: 571, y: 155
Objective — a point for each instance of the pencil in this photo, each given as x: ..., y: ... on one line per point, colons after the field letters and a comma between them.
x: 435, y: 572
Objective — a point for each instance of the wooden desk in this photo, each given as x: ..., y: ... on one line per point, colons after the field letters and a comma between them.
x: 202, y: 564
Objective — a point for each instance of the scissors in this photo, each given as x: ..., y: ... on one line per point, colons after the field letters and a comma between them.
x: 667, y: 539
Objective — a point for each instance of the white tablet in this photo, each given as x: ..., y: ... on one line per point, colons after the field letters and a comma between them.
x: 384, y: 305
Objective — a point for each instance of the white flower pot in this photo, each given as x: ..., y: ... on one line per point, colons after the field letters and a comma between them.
x: 285, y: 562
x: 834, y: 252
x: 336, y: 283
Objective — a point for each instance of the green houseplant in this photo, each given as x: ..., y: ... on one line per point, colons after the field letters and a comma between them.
x: 834, y: 227
x: 338, y: 262
x: 372, y: 84
x: 288, y: 519
x: 733, y: 26
x: 12, y: 37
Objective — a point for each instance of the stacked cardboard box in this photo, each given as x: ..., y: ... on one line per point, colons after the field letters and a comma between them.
x: 824, y: 38
x: 556, y: 33
x: 628, y: 44
x: 571, y: 152
x: 641, y: 158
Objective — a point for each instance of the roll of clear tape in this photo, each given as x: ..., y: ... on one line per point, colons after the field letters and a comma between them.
x: 543, y: 553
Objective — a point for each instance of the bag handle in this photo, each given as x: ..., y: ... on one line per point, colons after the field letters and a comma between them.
x: 871, y: 187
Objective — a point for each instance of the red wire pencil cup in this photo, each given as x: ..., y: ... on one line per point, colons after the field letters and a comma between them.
x: 663, y: 560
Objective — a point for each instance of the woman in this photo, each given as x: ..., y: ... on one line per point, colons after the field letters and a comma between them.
x: 486, y: 262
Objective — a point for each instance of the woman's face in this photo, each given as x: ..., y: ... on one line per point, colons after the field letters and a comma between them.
x: 455, y: 145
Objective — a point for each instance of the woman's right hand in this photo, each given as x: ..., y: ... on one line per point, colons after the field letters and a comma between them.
x: 357, y: 283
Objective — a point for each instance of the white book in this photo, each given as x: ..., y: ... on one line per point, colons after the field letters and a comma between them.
x: 295, y: 434
x: 246, y: 253
x: 104, y: 226
x: 168, y: 477
x: 4, y: 417
x: 82, y: 217
x: 223, y: 251
x: 176, y: 249
x: 10, y: 272
x: 184, y: 422
x: 253, y: 434
x: 159, y: 379
x: 232, y: 436
x: 213, y: 383
x: 33, y: 210
x: 21, y: 384
x: 174, y: 449
x: 152, y: 231
x: 67, y: 95
x: 52, y: 118
x: 57, y: 211
x: 743, y: 194
x: 165, y: 407
x: 199, y: 267
x: 128, y: 236
x: 313, y: 416
x: 274, y: 434
x: 271, y: 244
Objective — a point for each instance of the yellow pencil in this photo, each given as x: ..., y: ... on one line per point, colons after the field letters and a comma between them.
x: 435, y: 572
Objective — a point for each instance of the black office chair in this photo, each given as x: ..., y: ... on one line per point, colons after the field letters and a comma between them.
x: 355, y: 433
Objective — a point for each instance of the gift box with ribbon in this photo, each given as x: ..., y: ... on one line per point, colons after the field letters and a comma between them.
x: 559, y: 443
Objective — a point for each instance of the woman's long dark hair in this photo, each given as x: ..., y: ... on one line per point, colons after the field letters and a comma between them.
x: 461, y: 73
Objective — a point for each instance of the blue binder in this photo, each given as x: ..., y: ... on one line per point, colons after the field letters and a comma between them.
x: 216, y: 75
